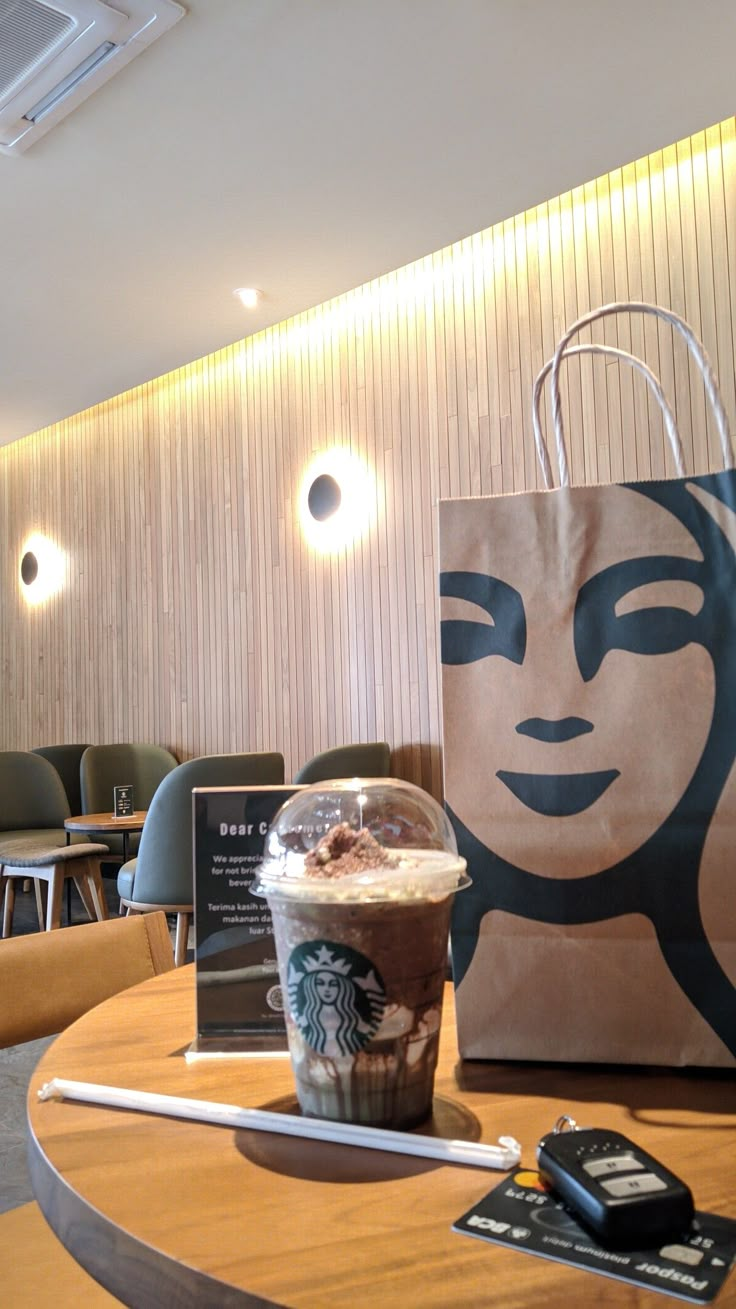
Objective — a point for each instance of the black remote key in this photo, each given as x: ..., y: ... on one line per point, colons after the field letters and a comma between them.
x: 626, y: 1197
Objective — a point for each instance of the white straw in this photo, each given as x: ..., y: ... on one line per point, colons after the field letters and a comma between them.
x: 505, y: 1155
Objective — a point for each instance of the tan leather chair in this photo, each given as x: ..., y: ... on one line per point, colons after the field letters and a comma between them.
x: 38, y: 1271
x: 47, y: 980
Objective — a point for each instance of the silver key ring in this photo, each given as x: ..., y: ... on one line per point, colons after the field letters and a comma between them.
x: 564, y: 1123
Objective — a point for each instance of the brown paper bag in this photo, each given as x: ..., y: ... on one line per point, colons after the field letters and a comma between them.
x: 588, y: 658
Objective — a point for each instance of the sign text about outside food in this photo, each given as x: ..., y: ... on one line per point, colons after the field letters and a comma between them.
x: 238, y: 990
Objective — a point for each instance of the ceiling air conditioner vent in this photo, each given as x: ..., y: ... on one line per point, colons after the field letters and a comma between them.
x: 29, y: 33
x: 54, y: 53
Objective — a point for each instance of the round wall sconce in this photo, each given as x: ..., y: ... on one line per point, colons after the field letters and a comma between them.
x: 42, y: 567
x: 337, y: 500
x: 28, y: 568
x: 324, y: 497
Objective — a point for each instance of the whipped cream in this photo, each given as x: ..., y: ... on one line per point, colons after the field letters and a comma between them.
x: 350, y: 865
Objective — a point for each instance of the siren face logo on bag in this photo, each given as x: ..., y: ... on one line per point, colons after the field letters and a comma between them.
x: 589, y: 655
x: 336, y: 995
x: 566, y: 664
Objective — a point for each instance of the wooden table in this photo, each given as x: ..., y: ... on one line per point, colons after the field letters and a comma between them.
x: 166, y: 1212
x: 108, y: 824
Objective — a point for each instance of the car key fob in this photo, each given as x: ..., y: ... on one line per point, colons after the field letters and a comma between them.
x: 626, y: 1197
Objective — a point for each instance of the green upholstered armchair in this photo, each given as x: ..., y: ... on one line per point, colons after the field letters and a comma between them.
x: 66, y: 760
x: 366, y: 759
x: 104, y: 767
x: 33, y: 809
x: 161, y: 877
x: 32, y: 797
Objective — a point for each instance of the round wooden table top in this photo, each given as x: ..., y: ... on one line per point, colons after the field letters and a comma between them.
x: 163, y: 1211
x: 106, y: 822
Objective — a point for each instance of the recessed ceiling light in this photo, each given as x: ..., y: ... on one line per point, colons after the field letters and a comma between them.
x: 248, y: 296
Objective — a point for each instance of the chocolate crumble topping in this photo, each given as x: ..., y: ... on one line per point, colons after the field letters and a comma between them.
x: 342, y: 851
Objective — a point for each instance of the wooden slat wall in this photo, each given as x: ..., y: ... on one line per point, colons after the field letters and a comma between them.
x: 195, y: 615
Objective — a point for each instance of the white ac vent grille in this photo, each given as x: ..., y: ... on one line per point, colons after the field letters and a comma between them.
x: 28, y: 33
x: 55, y: 53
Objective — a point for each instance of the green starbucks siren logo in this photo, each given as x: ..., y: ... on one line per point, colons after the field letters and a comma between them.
x: 336, y: 995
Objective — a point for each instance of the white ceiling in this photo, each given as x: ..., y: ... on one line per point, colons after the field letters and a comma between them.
x: 306, y: 146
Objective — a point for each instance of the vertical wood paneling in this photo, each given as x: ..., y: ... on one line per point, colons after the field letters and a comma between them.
x: 194, y: 613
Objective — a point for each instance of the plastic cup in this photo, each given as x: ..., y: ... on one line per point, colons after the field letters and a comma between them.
x: 363, y: 977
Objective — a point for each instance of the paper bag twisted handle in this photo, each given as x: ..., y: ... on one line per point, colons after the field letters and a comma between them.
x: 623, y: 357
x: 694, y: 345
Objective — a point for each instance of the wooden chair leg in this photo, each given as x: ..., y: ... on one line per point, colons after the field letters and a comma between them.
x: 82, y: 883
x: 182, y: 938
x: 96, y: 889
x: 56, y: 893
x: 39, y: 886
x: 8, y: 906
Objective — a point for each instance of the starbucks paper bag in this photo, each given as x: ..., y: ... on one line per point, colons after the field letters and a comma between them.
x: 588, y: 643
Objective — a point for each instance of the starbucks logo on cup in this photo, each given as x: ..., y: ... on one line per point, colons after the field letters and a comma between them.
x: 336, y: 995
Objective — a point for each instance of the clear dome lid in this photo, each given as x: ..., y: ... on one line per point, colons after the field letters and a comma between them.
x: 411, y: 826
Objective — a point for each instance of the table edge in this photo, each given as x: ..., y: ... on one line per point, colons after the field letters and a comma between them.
x: 92, y: 822
x: 112, y: 1255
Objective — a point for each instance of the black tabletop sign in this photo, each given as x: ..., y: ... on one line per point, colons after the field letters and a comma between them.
x: 239, y: 1002
x: 122, y: 801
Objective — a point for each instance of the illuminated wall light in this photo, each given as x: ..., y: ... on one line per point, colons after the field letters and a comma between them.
x: 430, y: 284
x: 28, y: 568
x: 492, y: 251
x: 324, y: 497
x: 336, y: 500
x: 42, y: 569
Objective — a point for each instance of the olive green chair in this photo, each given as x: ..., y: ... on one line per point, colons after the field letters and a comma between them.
x: 366, y: 759
x: 67, y: 760
x: 32, y: 797
x: 103, y: 767
x: 33, y: 842
x: 161, y: 876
